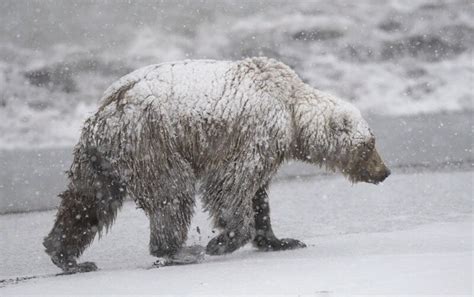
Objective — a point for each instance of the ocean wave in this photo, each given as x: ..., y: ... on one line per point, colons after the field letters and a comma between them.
x: 394, y: 57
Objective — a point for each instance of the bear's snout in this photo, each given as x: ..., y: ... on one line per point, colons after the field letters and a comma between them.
x: 375, y: 169
x: 370, y: 170
x: 386, y: 173
x: 381, y: 175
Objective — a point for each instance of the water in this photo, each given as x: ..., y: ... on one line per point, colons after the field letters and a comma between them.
x: 392, y: 57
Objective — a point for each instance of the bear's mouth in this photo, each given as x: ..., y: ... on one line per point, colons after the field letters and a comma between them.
x: 369, y: 168
x: 365, y: 176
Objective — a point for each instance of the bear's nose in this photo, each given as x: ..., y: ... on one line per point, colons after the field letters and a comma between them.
x: 386, y: 173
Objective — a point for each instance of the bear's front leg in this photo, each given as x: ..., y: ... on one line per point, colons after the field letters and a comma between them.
x: 232, y: 214
x: 264, y: 238
x: 228, y: 241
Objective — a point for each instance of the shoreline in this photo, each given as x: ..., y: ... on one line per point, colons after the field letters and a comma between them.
x: 318, y: 177
x: 32, y: 178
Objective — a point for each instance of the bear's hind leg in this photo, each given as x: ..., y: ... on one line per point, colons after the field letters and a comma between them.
x: 264, y: 238
x: 74, y: 229
x: 80, y: 217
x: 90, y: 203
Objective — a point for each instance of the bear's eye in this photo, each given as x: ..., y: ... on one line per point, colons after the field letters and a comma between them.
x: 371, y: 144
x: 365, y: 150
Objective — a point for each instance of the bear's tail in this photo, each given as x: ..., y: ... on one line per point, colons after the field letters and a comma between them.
x: 91, y: 202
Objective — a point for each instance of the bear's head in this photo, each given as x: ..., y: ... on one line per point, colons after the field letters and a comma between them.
x: 334, y: 134
x: 353, y: 142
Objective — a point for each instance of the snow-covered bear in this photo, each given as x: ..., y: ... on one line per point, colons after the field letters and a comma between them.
x: 227, y: 124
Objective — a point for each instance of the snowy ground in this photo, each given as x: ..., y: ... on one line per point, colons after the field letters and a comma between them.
x: 411, y: 235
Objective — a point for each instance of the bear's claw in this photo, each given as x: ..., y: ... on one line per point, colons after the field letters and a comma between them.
x: 224, y: 244
x: 217, y: 246
x: 280, y: 244
x: 186, y: 255
x: 81, y: 267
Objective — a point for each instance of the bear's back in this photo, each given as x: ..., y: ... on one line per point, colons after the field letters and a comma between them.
x: 189, y: 88
x: 166, y: 81
x: 207, y: 106
x: 224, y: 92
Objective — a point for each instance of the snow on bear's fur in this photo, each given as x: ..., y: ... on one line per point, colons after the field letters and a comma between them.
x: 227, y: 124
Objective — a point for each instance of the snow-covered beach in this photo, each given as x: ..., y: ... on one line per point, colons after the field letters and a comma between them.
x: 410, y: 236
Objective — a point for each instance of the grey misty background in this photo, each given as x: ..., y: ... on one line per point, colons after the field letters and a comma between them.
x: 406, y: 64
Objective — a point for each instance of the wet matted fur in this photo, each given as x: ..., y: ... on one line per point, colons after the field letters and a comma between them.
x: 229, y: 125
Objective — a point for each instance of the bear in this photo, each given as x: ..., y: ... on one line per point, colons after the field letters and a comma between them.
x: 224, y: 128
